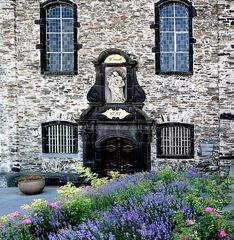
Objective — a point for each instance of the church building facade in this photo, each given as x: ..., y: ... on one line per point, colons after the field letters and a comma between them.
x: 115, y: 85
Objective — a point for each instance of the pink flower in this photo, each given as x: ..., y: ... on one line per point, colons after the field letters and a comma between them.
x: 222, y: 234
x: 186, y: 238
x: 217, y: 214
x: 208, y: 210
x: 53, y: 205
x: 16, y: 214
x: 190, y: 222
x: 2, y: 225
x: 26, y: 221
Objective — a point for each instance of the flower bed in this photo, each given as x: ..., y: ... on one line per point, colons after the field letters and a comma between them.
x: 166, y: 205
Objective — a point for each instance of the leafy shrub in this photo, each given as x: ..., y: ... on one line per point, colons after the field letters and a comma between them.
x: 166, y: 205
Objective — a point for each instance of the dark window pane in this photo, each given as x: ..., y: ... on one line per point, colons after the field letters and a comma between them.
x: 67, y: 25
x: 54, y: 62
x: 181, y: 24
x: 167, y: 11
x: 167, y: 42
x: 182, y: 62
x: 67, y: 12
x: 166, y: 24
x: 181, y: 11
x: 68, y: 43
x: 53, y: 43
x: 53, y: 12
x: 53, y: 25
x: 182, y: 42
x: 68, y: 62
x: 167, y: 62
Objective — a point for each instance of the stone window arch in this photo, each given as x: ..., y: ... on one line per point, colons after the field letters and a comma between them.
x: 59, y: 137
x: 58, y: 36
x: 173, y: 37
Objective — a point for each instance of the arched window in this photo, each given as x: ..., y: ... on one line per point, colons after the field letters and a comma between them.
x: 173, y: 27
x: 58, y: 37
x: 175, y: 140
x: 59, y: 137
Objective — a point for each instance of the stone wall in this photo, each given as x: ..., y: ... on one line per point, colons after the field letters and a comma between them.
x: 8, y: 87
x: 30, y: 98
x: 226, y: 85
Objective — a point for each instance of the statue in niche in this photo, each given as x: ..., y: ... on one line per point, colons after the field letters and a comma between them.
x: 116, y: 85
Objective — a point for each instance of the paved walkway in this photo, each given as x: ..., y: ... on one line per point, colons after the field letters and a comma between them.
x: 11, y: 198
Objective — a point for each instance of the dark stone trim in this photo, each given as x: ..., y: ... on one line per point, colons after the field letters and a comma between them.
x: 226, y: 158
x: 170, y: 124
x: 42, y: 46
x: 224, y: 54
x: 102, y: 57
x: 156, y: 26
x: 48, y: 3
x: 227, y: 116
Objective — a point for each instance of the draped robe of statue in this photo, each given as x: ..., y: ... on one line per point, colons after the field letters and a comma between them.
x: 116, y: 85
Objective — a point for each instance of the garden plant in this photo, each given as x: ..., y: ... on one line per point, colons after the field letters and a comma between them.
x: 170, y: 204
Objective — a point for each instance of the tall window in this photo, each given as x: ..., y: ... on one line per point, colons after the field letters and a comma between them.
x: 175, y: 140
x: 59, y: 137
x: 58, y: 37
x: 173, y: 26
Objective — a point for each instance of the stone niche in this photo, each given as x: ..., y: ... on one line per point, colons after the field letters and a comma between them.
x: 116, y: 131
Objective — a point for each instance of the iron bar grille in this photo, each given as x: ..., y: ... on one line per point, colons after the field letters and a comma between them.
x: 175, y: 141
x: 60, y: 138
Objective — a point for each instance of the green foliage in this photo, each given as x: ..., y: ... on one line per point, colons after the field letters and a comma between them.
x: 115, y: 175
x: 167, y: 175
x: 210, y: 224
x: 205, y: 192
x: 185, y: 229
x: 142, y: 188
x: 68, y: 191
x: 91, y: 177
x: 38, y: 205
x: 79, y: 209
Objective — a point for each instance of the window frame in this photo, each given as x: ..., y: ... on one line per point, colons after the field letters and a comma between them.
x: 156, y: 26
x: 159, y: 128
x: 43, y: 36
x: 45, y: 139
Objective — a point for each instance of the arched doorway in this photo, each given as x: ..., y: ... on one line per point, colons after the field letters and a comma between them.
x: 118, y: 155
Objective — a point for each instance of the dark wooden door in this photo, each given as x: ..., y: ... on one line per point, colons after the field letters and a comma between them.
x: 118, y: 155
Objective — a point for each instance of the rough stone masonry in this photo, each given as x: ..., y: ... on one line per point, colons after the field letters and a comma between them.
x: 29, y: 98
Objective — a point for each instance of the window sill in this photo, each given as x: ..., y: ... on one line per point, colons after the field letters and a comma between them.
x: 59, y: 155
x: 177, y: 157
x: 59, y: 73
x: 174, y: 73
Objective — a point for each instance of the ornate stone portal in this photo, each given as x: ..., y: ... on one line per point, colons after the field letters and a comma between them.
x: 116, y: 132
